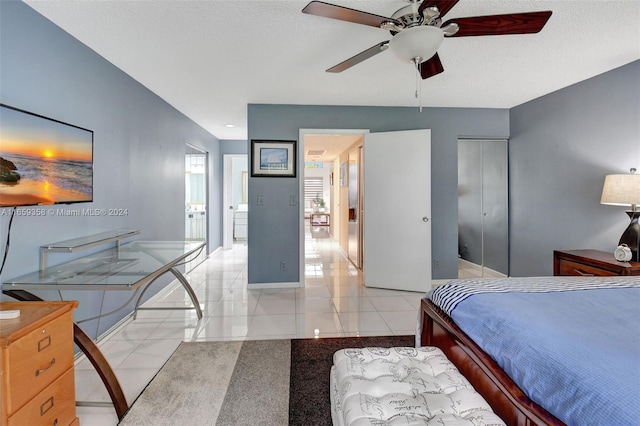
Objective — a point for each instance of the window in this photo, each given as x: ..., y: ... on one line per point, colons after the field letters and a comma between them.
x: 312, y: 190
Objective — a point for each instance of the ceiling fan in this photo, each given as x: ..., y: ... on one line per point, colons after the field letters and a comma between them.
x: 418, y: 30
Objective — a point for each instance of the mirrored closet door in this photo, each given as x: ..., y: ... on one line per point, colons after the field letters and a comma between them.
x: 483, y: 208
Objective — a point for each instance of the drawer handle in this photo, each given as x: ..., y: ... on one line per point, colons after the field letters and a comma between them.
x: 38, y: 372
x: 44, y: 343
x: 46, y: 406
x: 584, y: 274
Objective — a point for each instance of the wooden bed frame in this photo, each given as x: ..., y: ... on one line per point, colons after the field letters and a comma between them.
x: 504, y: 396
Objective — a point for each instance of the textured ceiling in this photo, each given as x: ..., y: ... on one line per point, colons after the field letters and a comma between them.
x: 209, y: 59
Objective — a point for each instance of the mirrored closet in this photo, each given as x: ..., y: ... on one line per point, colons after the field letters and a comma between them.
x: 483, y: 208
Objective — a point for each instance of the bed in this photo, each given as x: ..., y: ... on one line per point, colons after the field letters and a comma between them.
x: 523, y: 343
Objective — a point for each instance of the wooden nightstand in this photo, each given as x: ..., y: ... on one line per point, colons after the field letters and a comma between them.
x: 36, y: 365
x: 591, y: 263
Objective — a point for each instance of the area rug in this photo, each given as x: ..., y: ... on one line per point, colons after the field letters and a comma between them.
x: 311, y: 360
x: 221, y: 383
x: 254, y: 382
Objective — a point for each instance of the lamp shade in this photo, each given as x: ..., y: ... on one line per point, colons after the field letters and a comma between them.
x: 621, y: 190
x: 417, y: 42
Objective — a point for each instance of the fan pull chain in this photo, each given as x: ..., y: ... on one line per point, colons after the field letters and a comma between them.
x: 418, y: 85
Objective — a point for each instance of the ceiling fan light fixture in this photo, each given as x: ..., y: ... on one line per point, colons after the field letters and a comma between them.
x: 417, y: 42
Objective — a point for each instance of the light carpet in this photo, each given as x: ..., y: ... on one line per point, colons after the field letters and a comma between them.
x: 221, y: 383
x: 253, y: 382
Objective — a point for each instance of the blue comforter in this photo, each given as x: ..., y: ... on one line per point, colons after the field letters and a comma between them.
x: 575, y: 353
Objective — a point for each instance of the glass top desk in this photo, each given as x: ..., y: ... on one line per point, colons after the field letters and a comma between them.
x: 130, y: 266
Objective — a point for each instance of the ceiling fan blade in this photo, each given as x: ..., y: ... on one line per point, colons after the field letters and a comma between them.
x: 512, y: 23
x: 431, y: 67
x: 327, y: 10
x: 355, y: 60
x: 444, y: 6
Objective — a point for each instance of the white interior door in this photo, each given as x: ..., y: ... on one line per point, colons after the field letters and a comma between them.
x: 227, y: 203
x: 397, y: 210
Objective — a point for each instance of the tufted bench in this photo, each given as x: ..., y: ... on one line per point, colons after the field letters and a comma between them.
x: 403, y: 386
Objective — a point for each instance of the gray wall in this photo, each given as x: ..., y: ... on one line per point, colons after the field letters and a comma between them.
x: 562, y: 145
x: 273, y: 227
x: 139, y: 147
x: 233, y: 147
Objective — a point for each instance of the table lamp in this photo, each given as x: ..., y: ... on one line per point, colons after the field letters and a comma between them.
x: 624, y: 190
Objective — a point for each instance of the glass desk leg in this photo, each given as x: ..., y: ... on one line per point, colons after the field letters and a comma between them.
x: 187, y: 287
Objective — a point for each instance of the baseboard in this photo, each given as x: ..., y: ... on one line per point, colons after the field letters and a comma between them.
x: 482, y: 270
x: 256, y: 286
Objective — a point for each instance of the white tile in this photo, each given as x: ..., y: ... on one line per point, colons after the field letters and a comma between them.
x: 87, y: 382
x: 353, y: 304
x: 345, y: 291
x: 403, y: 320
x: 275, y: 306
x: 135, y: 331
x: 150, y: 354
x: 363, y: 322
x: 414, y: 298
x: 313, y: 292
x: 133, y: 381
x: 176, y: 330
x: 391, y: 303
x: 235, y: 308
x: 271, y: 325
x: 89, y: 417
x: 151, y: 316
x: 241, y: 294
x: 115, y: 351
x: 314, y: 282
x: 218, y: 327
x: 315, y: 304
x: 220, y: 283
x: 318, y: 324
x: 278, y: 293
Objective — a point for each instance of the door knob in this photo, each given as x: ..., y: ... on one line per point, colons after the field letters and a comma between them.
x: 425, y: 219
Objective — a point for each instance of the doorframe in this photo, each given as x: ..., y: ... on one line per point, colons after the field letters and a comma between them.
x: 207, y: 214
x: 227, y: 191
x: 301, y: 135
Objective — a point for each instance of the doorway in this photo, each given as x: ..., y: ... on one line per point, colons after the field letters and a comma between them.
x: 235, y: 200
x: 332, y: 147
x: 196, y: 197
x: 195, y: 194
x: 387, y: 165
x: 354, y: 178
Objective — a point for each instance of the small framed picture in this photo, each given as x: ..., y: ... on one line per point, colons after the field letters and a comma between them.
x: 273, y: 158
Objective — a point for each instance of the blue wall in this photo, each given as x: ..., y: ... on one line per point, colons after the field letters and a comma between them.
x: 273, y: 227
x: 139, y: 147
x: 562, y: 145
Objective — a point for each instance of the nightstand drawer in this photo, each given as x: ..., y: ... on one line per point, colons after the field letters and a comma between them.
x: 568, y: 267
x: 55, y: 405
x: 37, y: 359
x: 589, y: 262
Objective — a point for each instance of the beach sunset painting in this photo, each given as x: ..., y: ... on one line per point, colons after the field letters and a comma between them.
x: 43, y: 161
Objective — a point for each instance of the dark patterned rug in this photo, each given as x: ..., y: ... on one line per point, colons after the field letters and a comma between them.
x: 311, y: 360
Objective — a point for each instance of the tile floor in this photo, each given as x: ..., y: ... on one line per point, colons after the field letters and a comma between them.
x: 333, y: 303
